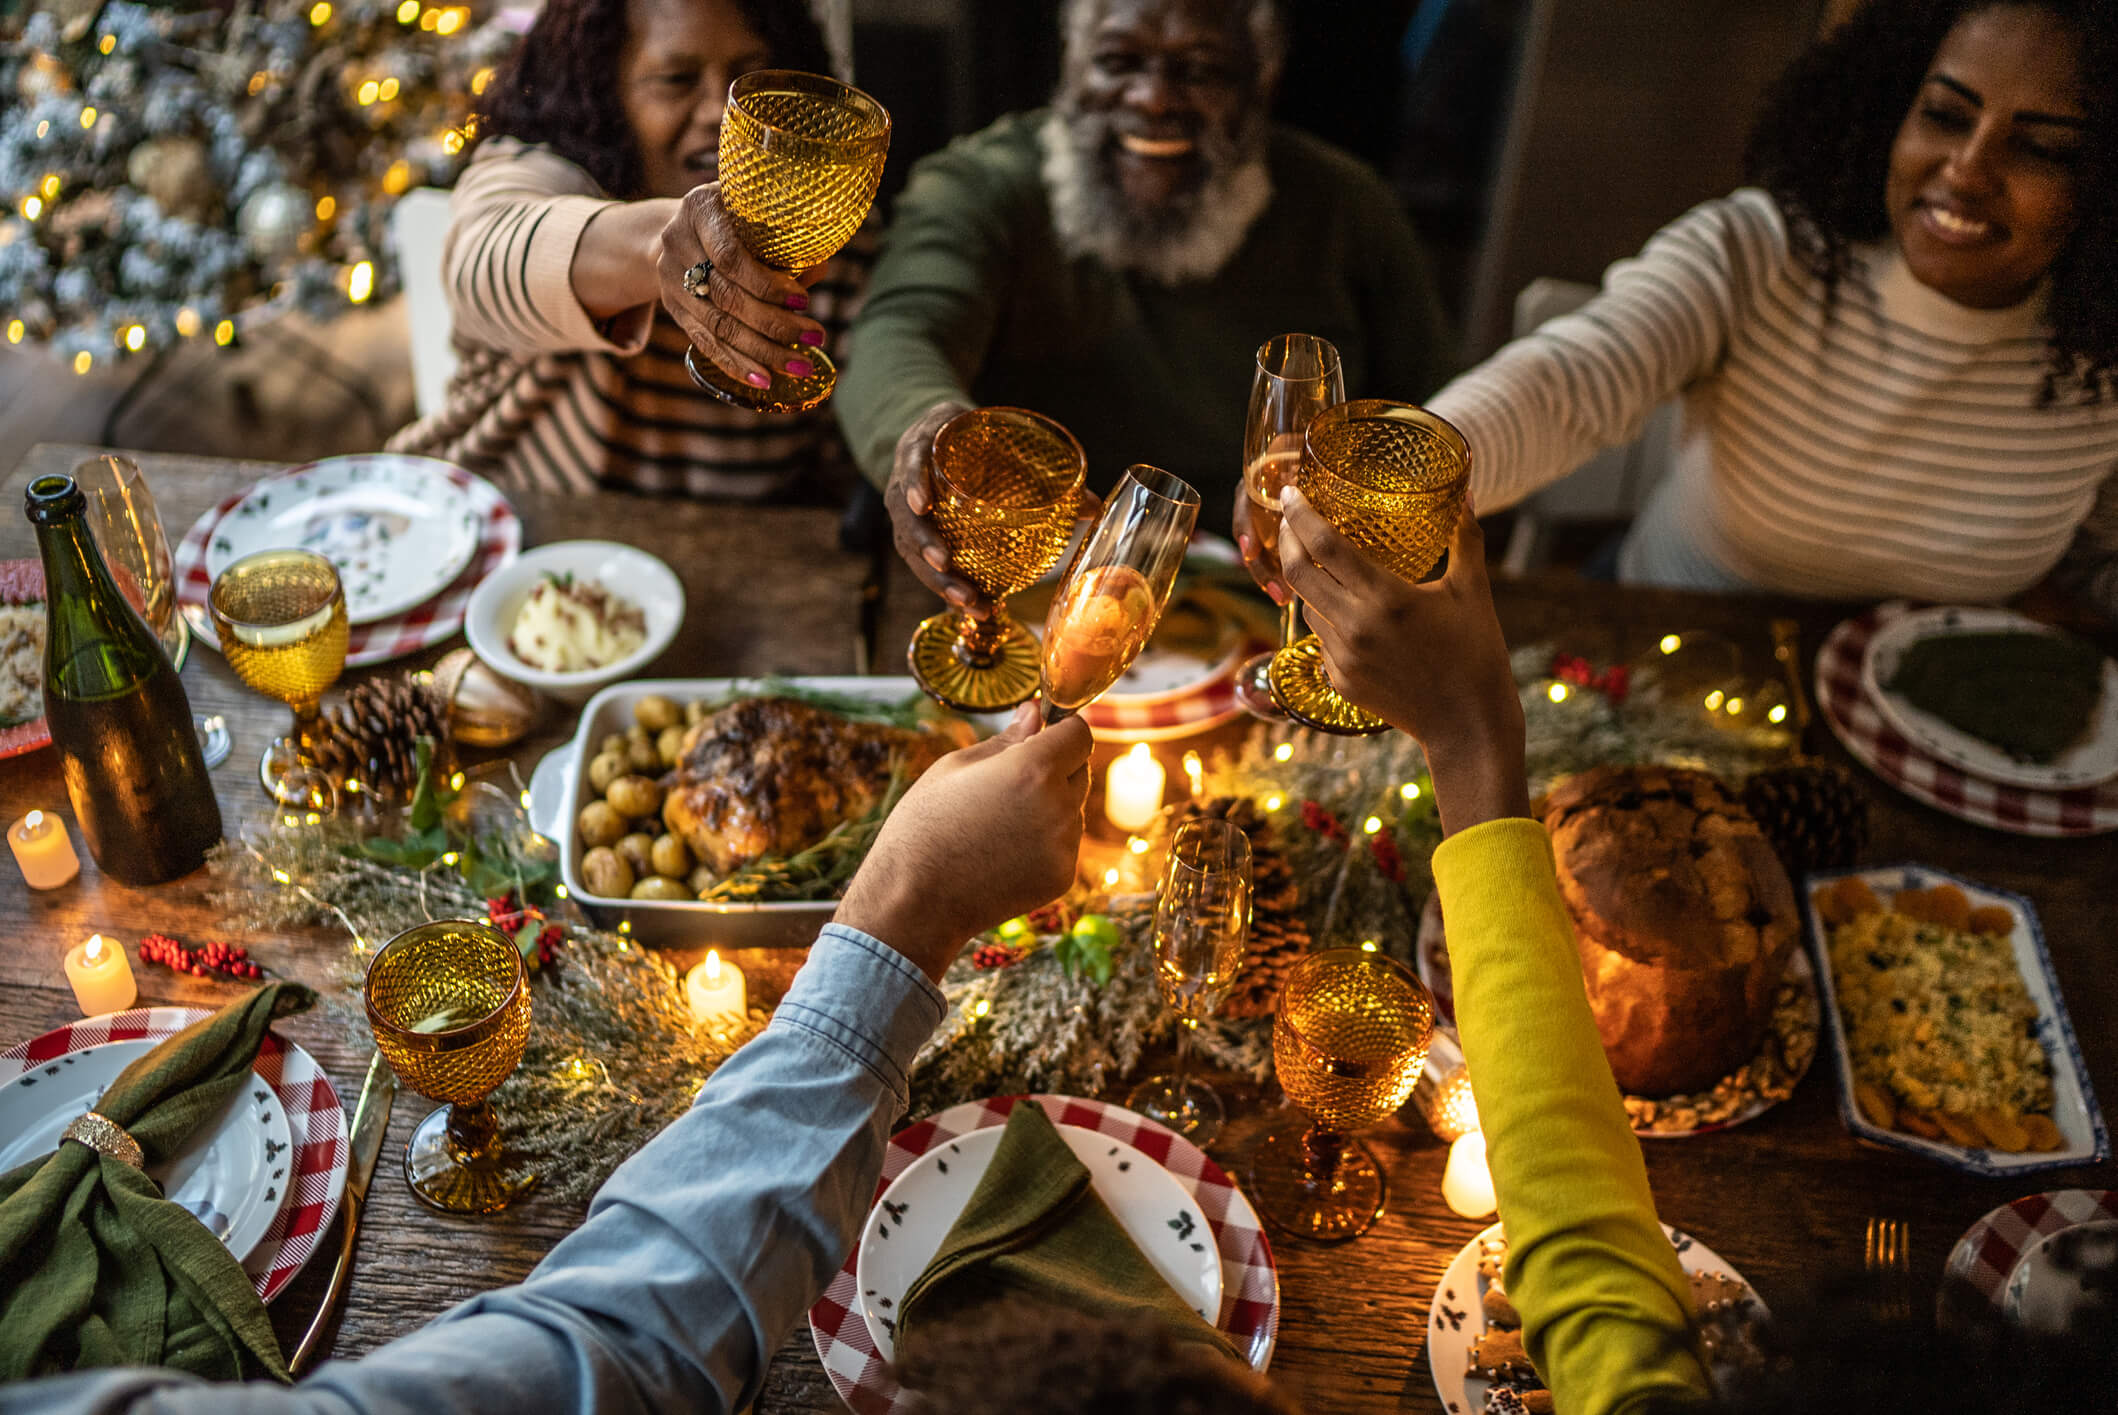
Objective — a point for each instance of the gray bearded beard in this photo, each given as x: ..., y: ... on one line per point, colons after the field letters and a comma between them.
x: 1191, y: 238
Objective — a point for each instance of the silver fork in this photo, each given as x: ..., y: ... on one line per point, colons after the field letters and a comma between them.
x: 1889, y: 1261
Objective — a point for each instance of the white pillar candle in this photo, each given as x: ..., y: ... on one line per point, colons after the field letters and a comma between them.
x: 717, y: 994
x: 1132, y: 789
x: 101, y: 977
x: 44, y: 850
x: 1467, y: 1185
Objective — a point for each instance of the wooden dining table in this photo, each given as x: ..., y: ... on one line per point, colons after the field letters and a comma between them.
x: 1785, y: 1198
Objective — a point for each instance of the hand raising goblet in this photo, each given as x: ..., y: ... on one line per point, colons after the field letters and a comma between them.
x: 1390, y: 478
x: 1298, y: 376
x: 1348, y: 1041
x: 450, y: 1008
x: 1114, y: 593
x: 1006, y: 482
x: 801, y: 155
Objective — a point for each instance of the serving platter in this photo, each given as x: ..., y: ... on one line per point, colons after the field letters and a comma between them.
x: 22, y: 583
x: 2074, y: 1108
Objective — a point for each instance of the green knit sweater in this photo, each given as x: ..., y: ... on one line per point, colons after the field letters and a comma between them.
x: 972, y: 299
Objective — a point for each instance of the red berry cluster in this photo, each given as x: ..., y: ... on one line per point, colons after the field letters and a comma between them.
x: 1054, y: 918
x: 995, y: 955
x: 1323, y: 822
x: 229, y: 960
x: 1387, y: 859
x: 511, y: 918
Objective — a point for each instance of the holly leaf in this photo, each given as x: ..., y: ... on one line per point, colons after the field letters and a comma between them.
x: 1084, y: 953
x: 430, y: 797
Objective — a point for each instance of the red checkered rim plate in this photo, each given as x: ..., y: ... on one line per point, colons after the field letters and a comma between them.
x: 321, y: 1148
x: 384, y: 639
x: 1250, y: 1300
x: 2085, y: 810
x: 1990, y: 1248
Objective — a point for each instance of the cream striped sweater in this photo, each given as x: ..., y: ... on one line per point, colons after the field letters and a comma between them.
x: 546, y: 397
x: 1889, y: 443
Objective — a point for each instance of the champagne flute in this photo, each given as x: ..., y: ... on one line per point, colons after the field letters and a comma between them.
x: 281, y: 619
x: 1298, y: 376
x: 449, y: 1005
x: 1390, y: 478
x: 1202, y: 922
x: 1006, y: 484
x: 1114, y: 592
x: 1349, y: 1039
x: 801, y: 155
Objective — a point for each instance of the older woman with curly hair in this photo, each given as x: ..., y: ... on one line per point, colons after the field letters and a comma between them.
x: 1897, y: 355
x: 591, y: 191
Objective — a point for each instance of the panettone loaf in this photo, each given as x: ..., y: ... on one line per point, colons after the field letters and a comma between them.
x: 1684, y: 918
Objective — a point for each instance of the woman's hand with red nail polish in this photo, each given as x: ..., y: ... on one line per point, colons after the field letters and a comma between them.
x: 741, y: 319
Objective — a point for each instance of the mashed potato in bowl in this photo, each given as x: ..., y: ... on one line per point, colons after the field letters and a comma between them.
x: 574, y: 626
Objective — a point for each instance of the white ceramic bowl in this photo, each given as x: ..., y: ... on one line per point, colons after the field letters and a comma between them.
x: 630, y: 574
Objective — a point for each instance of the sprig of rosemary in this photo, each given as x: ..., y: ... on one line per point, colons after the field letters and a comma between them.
x: 823, y: 870
x: 908, y: 712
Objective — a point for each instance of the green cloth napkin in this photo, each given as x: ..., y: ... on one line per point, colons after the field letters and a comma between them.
x: 97, y: 1268
x: 1034, y: 1227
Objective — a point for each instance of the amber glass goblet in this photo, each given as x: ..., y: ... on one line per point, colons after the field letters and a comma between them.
x: 1390, y: 477
x: 1114, y: 592
x: 450, y: 1008
x: 1349, y: 1039
x: 1006, y: 485
x: 281, y: 619
x: 801, y: 155
x: 1298, y: 376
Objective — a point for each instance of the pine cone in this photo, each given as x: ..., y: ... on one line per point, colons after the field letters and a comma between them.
x: 1813, y: 811
x: 372, y: 735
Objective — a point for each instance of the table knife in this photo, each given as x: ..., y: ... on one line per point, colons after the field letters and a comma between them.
x: 371, y: 1119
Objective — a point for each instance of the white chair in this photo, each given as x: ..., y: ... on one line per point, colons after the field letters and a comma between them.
x: 1612, y: 485
x: 418, y: 224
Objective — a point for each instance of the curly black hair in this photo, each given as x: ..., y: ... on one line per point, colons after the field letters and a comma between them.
x: 1821, y: 147
x: 560, y: 87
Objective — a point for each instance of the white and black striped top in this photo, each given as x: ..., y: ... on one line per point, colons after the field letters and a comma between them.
x: 546, y: 397
x: 1888, y: 442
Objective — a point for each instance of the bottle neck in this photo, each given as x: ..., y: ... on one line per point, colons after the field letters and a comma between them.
x: 95, y: 641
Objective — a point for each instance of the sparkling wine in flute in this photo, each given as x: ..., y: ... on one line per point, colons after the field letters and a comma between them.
x: 1263, y: 481
x: 1097, y: 628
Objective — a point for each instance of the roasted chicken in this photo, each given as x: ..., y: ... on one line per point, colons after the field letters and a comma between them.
x: 772, y: 776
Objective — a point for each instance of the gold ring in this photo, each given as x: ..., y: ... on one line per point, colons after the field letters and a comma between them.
x: 106, y: 1137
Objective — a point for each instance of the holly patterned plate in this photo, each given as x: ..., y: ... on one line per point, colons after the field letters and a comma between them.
x: 398, y: 528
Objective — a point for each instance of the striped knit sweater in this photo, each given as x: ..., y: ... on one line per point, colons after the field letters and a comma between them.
x: 546, y: 397
x: 1888, y: 443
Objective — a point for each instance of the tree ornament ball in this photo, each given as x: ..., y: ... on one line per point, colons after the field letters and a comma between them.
x: 178, y: 174
x: 274, y: 219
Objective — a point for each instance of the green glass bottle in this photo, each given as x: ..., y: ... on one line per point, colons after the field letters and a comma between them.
x: 117, y: 710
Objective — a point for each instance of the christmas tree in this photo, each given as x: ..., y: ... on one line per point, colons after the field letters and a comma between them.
x: 169, y: 172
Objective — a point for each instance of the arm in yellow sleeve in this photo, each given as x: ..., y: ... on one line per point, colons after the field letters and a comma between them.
x: 1606, y: 1308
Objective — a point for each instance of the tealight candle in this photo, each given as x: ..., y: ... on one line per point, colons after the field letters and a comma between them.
x: 1132, y: 789
x: 101, y: 977
x: 716, y: 992
x: 43, y: 850
x: 1467, y: 1185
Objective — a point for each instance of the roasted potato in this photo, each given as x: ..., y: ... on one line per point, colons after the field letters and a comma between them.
x: 638, y: 851
x: 655, y: 712
x: 701, y: 879
x: 671, y: 857
x: 697, y: 711
x: 641, y: 752
x: 670, y: 746
x: 615, y: 742
x: 660, y: 887
x: 600, y: 823
x: 608, y: 767
x: 634, y: 797
x: 605, y: 872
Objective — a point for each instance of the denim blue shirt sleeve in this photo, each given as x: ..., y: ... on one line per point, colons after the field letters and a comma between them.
x: 697, y: 1258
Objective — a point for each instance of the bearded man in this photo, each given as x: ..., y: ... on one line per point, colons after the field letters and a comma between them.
x: 1115, y: 261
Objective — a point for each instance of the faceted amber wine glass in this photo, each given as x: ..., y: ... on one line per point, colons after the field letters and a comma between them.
x: 281, y: 619
x: 1349, y: 1039
x: 1114, y: 592
x: 1298, y: 376
x: 450, y: 1008
x: 801, y: 155
x: 1390, y: 477
x: 1006, y: 484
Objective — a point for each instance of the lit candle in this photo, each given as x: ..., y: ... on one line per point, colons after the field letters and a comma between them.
x: 1467, y: 1185
x: 716, y: 992
x: 1132, y: 790
x: 101, y: 977
x: 44, y: 850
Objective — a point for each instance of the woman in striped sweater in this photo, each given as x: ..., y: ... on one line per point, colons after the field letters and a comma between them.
x: 590, y: 193
x: 1898, y: 356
